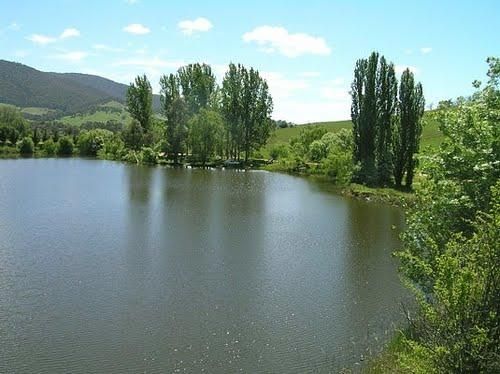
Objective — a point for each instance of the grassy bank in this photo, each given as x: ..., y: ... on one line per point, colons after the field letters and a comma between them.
x: 387, y: 195
x: 387, y: 361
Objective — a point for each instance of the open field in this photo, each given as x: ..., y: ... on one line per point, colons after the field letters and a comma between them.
x: 431, y: 135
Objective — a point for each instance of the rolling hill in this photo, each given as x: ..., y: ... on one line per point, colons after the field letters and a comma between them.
x: 69, y: 93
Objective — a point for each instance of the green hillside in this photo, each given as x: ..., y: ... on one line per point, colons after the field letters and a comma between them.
x: 431, y: 136
x: 110, y: 111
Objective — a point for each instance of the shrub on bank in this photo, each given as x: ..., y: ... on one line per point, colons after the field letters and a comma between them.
x: 65, y: 146
x: 26, y: 147
x: 49, y: 147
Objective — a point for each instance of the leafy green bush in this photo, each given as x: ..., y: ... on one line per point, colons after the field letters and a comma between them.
x: 451, y: 251
x: 112, y: 149
x: 339, y: 166
x: 149, y: 156
x: 26, y: 147
x: 65, y: 146
x: 90, y: 142
x: 49, y: 147
x: 317, y: 150
x: 279, y: 151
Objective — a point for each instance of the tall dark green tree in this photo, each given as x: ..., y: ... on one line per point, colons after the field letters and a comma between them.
x: 247, y: 107
x: 177, y: 131
x: 205, y: 133
x: 257, y: 108
x: 364, y: 116
x: 387, y: 88
x: 408, y: 128
x: 231, y: 98
x: 198, y: 84
x: 140, y: 101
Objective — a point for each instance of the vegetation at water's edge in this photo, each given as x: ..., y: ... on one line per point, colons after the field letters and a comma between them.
x: 451, y: 248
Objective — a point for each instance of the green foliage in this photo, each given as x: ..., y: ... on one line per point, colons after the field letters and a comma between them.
x: 246, y: 108
x: 149, y: 155
x: 198, y: 85
x: 112, y: 149
x: 386, y: 131
x: 90, y: 142
x: 49, y: 147
x: 140, y: 101
x: 301, y: 143
x: 279, y: 151
x: 133, y: 135
x: 65, y: 146
x: 177, y: 130
x: 12, y: 124
x: 387, y: 87
x: 26, y: 147
x: 317, y: 150
x: 451, y: 252
x: 408, y: 128
x: 205, y: 133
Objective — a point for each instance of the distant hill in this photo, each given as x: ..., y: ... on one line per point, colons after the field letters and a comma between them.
x: 70, y: 93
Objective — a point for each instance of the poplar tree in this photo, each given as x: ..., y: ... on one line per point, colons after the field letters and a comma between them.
x: 387, y: 88
x: 364, y: 116
x: 198, y: 84
x: 140, y: 101
x: 408, y: 128
x: 176, y: 131
x: 231, y: 100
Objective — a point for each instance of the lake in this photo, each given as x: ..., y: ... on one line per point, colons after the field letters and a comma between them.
x: 109, y: 267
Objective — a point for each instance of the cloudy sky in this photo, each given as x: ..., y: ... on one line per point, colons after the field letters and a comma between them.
x: 305, y: 49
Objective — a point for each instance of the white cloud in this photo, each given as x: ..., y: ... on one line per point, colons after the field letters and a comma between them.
x: 131, y: 2
x: 136, y: 29
x: 400, y: 68
x: 69, y: 33
x: 278, y: 39
x: 75, y: 56
x: 425, y: 50
x: 41, y: 39
x: 200, y: 24
x: 45, y: 39
x: 300, y: 111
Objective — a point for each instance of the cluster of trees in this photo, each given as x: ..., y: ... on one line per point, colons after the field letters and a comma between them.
x: 13, y: 126
x: 201, y: 119
x: 451, y: 246
x: 316, y: 151
x: 386, y: 122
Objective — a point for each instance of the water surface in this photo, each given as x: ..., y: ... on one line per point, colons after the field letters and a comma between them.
x: 108, y: 267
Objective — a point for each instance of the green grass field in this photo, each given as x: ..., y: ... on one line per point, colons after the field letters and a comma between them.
x: 98, y: 116
x: 431, y: 136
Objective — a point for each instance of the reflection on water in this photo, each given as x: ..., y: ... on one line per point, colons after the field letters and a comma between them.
x: 107, y: 267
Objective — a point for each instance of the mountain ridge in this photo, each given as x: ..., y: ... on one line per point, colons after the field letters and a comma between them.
x: 70, y: 93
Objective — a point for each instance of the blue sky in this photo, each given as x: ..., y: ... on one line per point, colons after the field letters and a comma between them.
x: 305, y: 49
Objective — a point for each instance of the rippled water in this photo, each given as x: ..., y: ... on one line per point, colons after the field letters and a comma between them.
x: 107, y: 267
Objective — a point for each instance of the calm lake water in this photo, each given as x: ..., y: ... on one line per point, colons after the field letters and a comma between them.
x: 108, y: 267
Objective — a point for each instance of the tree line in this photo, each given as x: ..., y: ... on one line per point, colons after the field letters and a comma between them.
x: 200, y: 118
x: 386, y: 122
